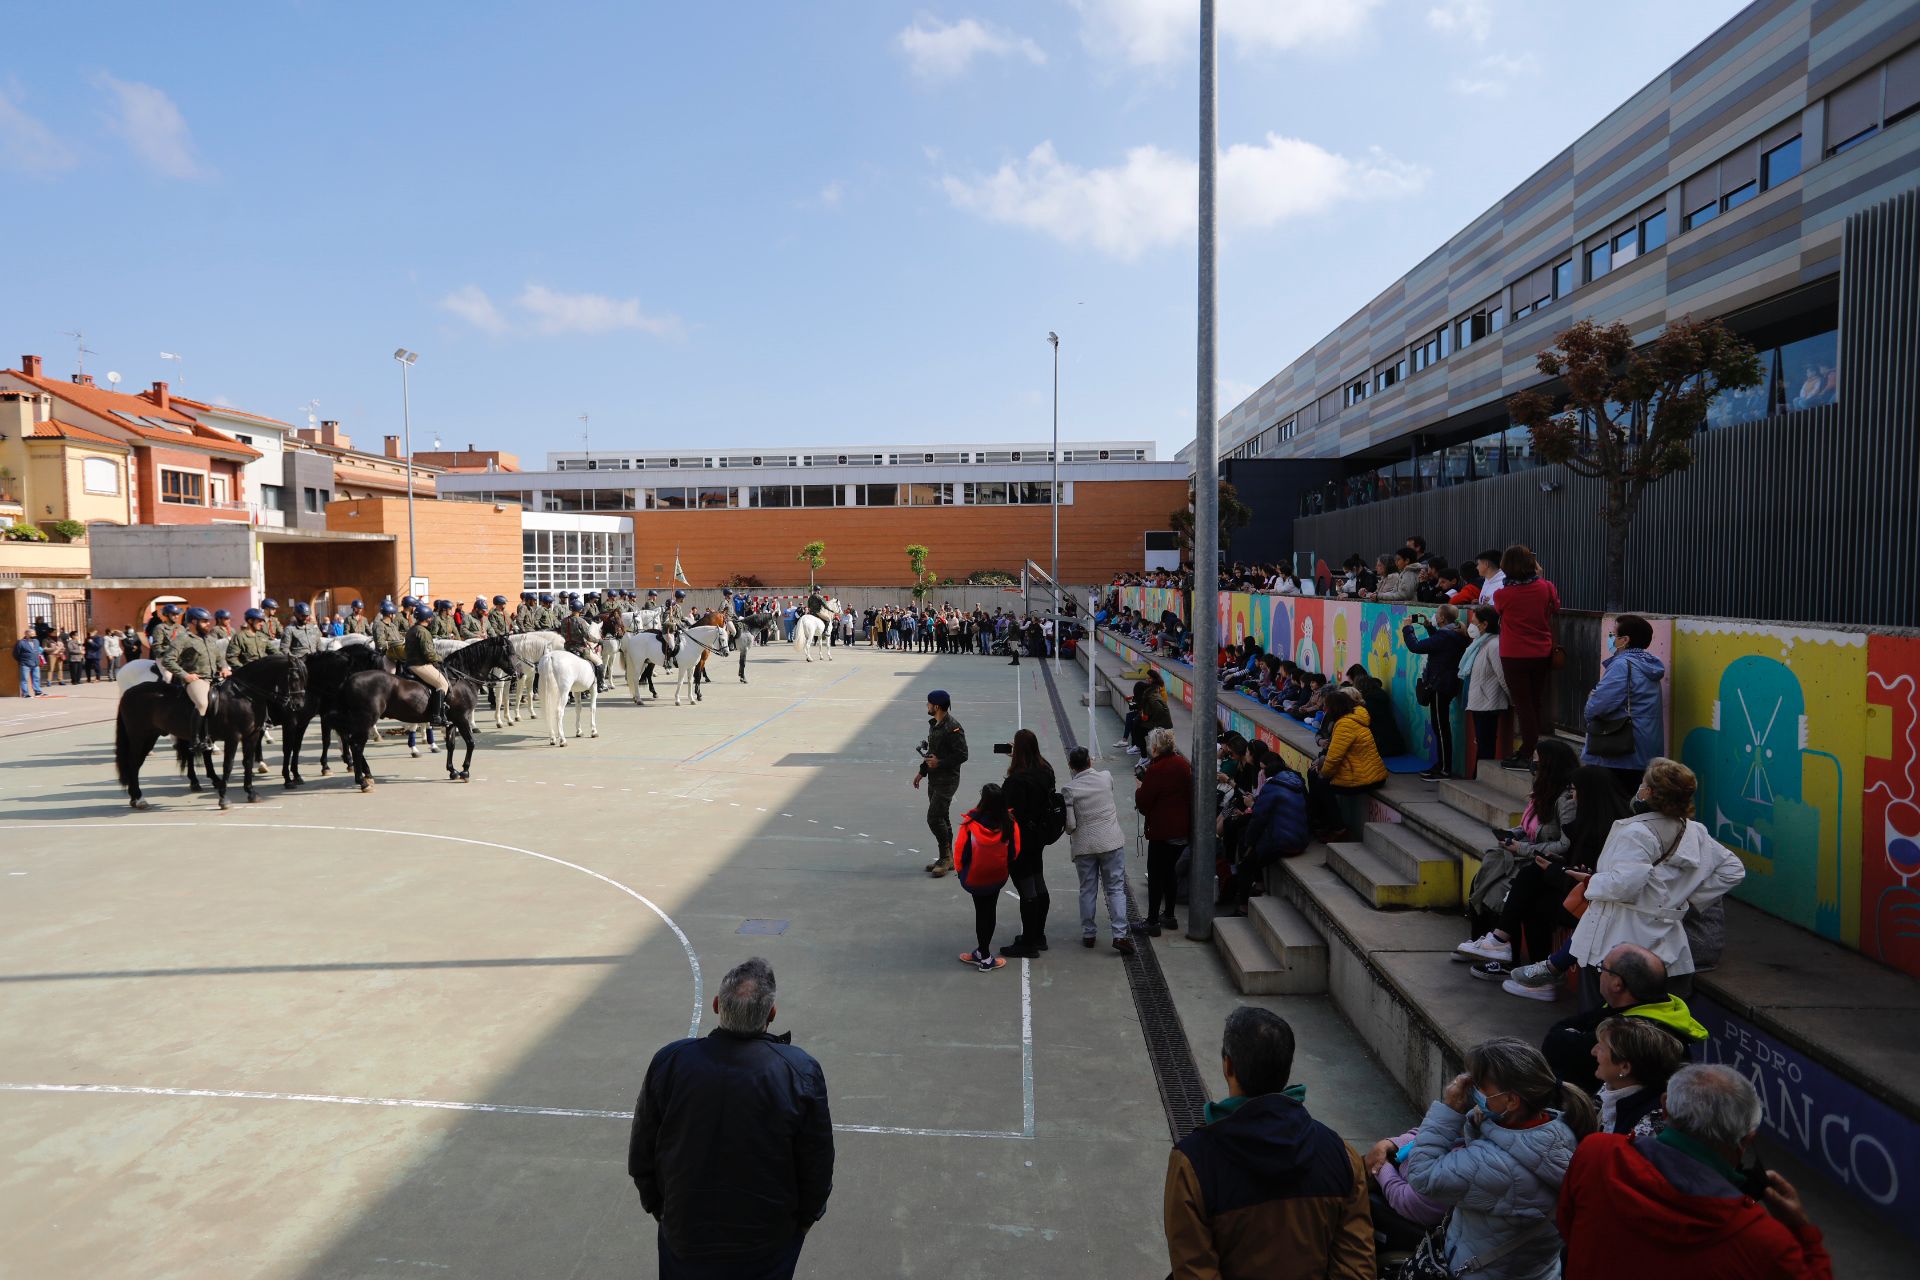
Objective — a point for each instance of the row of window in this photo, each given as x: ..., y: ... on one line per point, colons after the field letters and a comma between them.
x: 1855, y: 112
x: 973, y: 493
x: 571, y: 560
x: 723, y: 462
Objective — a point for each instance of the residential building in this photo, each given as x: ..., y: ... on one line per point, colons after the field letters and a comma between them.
x: 359, y: 474
x: 747, y: 512
x: 1768, y: 179
x: 264, y: 478
x: 467, y: 459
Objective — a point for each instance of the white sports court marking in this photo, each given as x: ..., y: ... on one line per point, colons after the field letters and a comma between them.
x: 1024, y: 1133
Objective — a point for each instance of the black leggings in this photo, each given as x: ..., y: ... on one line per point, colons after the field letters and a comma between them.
x: 1486, y: 738
x: 985, y: 907
x: 1034, y: 901
x: 1161, y: 857
x: 1442, y: 716
x: 1534, y: 908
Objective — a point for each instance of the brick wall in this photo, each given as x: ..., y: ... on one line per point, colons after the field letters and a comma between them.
x: 465, y: 549
x: 1100, y: 533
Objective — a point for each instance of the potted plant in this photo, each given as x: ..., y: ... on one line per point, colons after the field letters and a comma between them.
x: 65, y: 530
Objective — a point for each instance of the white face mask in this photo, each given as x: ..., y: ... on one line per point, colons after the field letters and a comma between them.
x: 1473, y: 629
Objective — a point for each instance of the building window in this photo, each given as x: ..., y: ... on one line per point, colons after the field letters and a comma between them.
x: 246, y: 440
x: 1563, y: 282
x: 183, y: 488
x: 273, y: 497
x: 1739, y: 196
x: 217, y: 490
x: 1599, y: 261
x: 1781, y: 163
x: 879, y: 495
x: 1389, y: 373
x: 100, y: 475
x: 1356, y: 392
x: 817, y: 495
x: 716, y: 498
x: 986, y: 493
x: 1653, y: 231
x: 1853, y: 112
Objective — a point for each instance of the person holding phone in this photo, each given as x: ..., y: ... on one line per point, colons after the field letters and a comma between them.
x: 1538, y: 847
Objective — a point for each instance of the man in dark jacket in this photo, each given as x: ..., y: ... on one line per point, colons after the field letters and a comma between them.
x: 1444, y: 642
x: 1263, y: 1189
x: 732, y: 1144
x: 940, y: 767
x: 1276, y: 828
x: 1633, y: 984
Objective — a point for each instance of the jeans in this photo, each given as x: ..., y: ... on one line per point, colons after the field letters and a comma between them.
x: 1103, y: 874
x: 39, y: 681
x: 940, y: 793
x: 26, y: 682
x: 772, y: 1266
x: 1527, y: 681
x: 1162, y: 857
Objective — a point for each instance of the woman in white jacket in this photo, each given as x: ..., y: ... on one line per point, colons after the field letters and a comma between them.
x: 1486, y: 685
x: 1099, y: 848
x: 1655, y: 866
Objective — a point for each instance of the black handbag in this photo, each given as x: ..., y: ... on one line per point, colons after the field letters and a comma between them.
x: 1612, y: 735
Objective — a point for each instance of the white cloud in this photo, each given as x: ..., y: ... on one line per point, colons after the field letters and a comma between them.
x: 1150, y: 198
x: 937, y: 50
x: 472, y: 304
x: 26, y: 143
x: 1494, y: 74
x: 554, y: 312
x: 151, y: 125
x: 1149, y: 32
x: 831, y: 195
x: 1472, y: 18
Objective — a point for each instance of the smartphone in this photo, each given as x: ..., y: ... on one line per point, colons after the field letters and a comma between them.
x: 1003, y: 748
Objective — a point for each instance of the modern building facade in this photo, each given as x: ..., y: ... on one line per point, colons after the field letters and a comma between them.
x: 729, y: 514
x: 1725, y: 188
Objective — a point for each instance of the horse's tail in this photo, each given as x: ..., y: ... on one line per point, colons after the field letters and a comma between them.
x: 182, y: 754
x: 122, y: 750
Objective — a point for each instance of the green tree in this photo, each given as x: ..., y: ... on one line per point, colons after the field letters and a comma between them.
x: 815, y: 554
x: 1234, y: 514
x: 923, y: 577
x: 1630, y: 412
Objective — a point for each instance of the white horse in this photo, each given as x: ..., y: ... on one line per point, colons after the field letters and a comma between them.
x: 331, y: 643
x: 562, y: 673
x: 643, y: 650
x: 810, y: 633
x: 529, y: 647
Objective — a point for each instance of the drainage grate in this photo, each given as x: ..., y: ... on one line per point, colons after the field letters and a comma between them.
x: 1183, y: 1095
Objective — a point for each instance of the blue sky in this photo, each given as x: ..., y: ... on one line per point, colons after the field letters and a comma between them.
x: 765, y: 223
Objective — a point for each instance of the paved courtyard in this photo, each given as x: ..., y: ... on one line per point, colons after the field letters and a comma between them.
x: 399, y: 1034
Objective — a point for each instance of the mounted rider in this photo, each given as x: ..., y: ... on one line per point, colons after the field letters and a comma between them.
x: 390, y: 632
x: 187, y: 655
x: 613, y: 629
x: 672, y: 615
x: 474, y: 625
x: 498, y: 624
x: 301, y: 637
x: 442, y: 626
x: 271, y: 608
x: 221, y: 631
x: 817, y: 605
x: 358, y: 624
x: 423, y: 664
x: 250, y: 643
x: 165, y: 625
x: 577, y: 635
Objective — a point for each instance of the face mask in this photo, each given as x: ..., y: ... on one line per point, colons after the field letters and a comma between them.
x: 1641, y: 806
x: 1473, y: 630
x: 1613, y: 644
x: 1480, y: 1101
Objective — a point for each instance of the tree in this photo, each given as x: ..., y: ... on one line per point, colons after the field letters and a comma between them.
x: 1630, y: 412
x: 815, y: 554
x: 1234, y: 514
x: 923, y: 577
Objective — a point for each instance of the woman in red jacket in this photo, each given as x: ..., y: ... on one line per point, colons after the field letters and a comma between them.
x: 1528, y: 605
x: 1165, y: 796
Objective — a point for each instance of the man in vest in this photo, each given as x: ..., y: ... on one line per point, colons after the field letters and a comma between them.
x: 188, y: 657
x: 250, y: 643
x: 474, y: 625
x: 442, y: 626
x: 498, y: 624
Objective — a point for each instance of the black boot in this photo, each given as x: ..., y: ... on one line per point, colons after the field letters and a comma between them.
x: 437, y: 710
x: 202, y: 742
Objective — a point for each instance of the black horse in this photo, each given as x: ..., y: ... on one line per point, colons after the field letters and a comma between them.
x: 755, y: 628
x: 327, y: 673
x: 237, y: 711
x: 368, y: 696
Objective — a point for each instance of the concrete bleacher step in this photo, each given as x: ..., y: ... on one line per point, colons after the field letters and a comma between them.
x: 1483, y: 801
x: 1378, y: 882
x: 1272, y: 951
x: 1517, y: 783
x: 1431, y: 873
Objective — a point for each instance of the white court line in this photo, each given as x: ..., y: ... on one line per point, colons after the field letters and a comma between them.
x: 431, y: 1104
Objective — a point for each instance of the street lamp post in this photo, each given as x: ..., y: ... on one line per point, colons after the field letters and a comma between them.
x: 1206, y: 510
x: 1054, y: 493
x: 406, y: 359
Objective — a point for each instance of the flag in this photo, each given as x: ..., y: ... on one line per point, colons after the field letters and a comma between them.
x: 679, y: 574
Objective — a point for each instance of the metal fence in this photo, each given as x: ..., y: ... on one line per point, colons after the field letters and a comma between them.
x: 1581, y: 636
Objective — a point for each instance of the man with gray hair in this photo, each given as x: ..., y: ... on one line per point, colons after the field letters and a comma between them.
x: 733, y: 1198
x: 1681, y: 1203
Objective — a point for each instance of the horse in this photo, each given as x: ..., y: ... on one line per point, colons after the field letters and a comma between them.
x: 326, y: 672
x: 753, y: 629
x: 810, y: 632
x: 643, y: 652
x: 236, y: 710
x: 367, y: 696
x: 563, y: 673
x: 528, y: 647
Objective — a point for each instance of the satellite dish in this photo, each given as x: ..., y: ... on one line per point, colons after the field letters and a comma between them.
x: 113, y: 378
x: 313, y: 420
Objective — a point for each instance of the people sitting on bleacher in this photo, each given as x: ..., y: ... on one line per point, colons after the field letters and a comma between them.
x: 1276, y: 828
x: 1633, y: 983
x: 1379, y: 704
x: 1532, y: 859
x: 1350, y: 767
x: 1634, y: 1059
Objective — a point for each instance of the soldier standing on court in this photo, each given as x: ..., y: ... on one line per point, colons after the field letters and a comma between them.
x: 187, y: 655
x: 946, y: 752
x: 250, y: 643
x: 474, y: 625
x: 357, y: 622
x: 301, y: 638
x: 424, y: 664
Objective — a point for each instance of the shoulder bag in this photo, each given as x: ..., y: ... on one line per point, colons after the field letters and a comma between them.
x: 1429, y: 1261
x: 1609, y: 736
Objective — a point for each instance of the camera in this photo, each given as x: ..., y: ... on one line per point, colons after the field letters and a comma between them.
x: 1003, y: 748
x: 1140, y: 769
x: 920, y: 748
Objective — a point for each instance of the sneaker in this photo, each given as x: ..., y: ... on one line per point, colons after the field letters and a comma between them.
x: 1151, y: 928
x: 1516, y: 764
x: 1491, y: 971
x: 1169, y: 923
x: 982, y: 961
x: 1514, y: 987
x: 1435, y: 775
x: 1537, y: 974
x: 1122, y: 742
x: 1090, y: 941
x: 1123, y: 945
x: 1487, y: 946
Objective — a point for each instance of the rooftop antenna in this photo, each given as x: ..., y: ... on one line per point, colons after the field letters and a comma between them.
x: 180, y: 379
x: 586, y: 438
x: 81, y: 350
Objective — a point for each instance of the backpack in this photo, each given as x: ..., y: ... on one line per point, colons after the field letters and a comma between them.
x: 1053, y: 820
x: 981, y: 856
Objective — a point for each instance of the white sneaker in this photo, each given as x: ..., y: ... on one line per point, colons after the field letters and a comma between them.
x: 1513, y: 988
x: 1122, y: 742
x: 1487, y: 947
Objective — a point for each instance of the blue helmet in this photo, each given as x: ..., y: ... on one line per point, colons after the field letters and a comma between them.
x: 546, y: 597
x: 499, y: 599
x: 197, y: 614
x: 526, y: 595
x: 443, y: 604
x: 407, y: 602
x: 387, y: 607
x: 256, y: 615
x: 356, y: 606
x: 221, y: 615
x: 169, y: 609
x: 422, y: 613
x: 574, y: 605
x: 300, y: 609
x: 679, y: 595
x: 269, y: 603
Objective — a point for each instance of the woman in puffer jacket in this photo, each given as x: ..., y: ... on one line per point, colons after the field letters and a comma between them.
x: 1495, y: 1148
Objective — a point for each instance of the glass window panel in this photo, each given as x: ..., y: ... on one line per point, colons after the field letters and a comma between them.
x: 1740, y: 195
x: 1653, y: 232
x: 1519, y: 444
x: 816, y: 495
x: 1748, y: 405
x: 1599, y: 261
x: 987, y: 493
x: 1456, y: 465
x: 1810, y: 369
x: 1430, y: 470
x: 715, y: 498
x: 1036, y: 492
x: 882, y: 495
x: 1463, y: 333
x: 1704, y: 214
x: 1779, y: 164
x: 1903, y: 84
x: 1496, y: 319
x: 1563, y: 279
x: 1486, y: 455
x: 1625, y: 246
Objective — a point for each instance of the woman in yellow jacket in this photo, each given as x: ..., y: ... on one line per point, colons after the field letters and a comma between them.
x: 1351, y: 766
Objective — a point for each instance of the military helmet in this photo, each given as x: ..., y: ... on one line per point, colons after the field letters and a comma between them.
x: 300, y: 609
x: 546, y: 597
x: 574, y: 605
x: 221, y: 615
x: 443, y: 603
x: 269, y: 603
x: 422, y: 613
x: 387, y: 608
x: 255, y: 615
x: 197, y: 614
x: 356, y: 605
x: 169, y: 609
x: 679, y: 595
x: 480, y: 602
x: 499, y: 599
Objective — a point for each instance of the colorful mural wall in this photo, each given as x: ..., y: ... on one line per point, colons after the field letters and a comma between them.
x: 1806, y: 742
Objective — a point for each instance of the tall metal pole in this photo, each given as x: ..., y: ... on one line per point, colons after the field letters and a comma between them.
x: 1055, y: 339
x: 1206, y: 516
x: 406, y: 420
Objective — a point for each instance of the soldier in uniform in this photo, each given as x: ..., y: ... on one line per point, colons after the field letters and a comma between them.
x: 940, y: 767
x: 577, y: 637
x: 424, y: 664
x: 221, y: 631
x: 527, y: 617
x: 301, y: 637
x: 250, y: 643
x: 271, y: 608
x: 165, y: 625
x: 497, y: 621
x: 442, y: 626
x: 474, y: 625
x: 389, y: 632
x: 357, y: 622
x: 672, y: 615
x: 547, y: 616
x: 187, y: 656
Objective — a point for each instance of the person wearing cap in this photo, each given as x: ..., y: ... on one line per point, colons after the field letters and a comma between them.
x: 946, y: 751
x: 271, y: 608
x: 390, y: 632
x: 423, y: 664
x: 577, y: 635
x: 221, y: 631
x: 188, y: 657
x: 474, y: 625
x: 301, y: 638
x: 527, y: 616
x: 498, y: 624
x: 357, y: 622
x: 548, y: 614
x: 442, y: 625
x: 250, y: 643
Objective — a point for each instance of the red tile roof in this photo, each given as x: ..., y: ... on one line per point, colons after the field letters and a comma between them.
x: 53, y: 429
x: 106, y: 405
